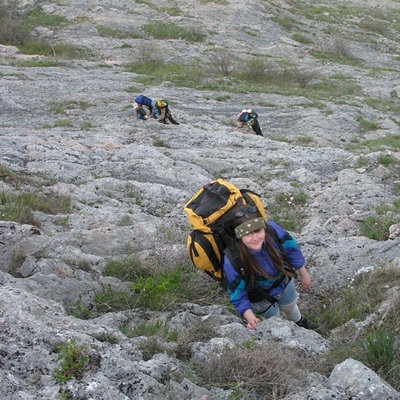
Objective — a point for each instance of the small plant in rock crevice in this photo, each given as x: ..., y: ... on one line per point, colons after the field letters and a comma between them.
x: 289, y: 210
x: 377, y: 226
x: 73, y: 360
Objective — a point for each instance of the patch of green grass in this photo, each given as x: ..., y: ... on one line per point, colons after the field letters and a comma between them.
x: 161, y: 291
x: 58, y: 51
x: 332, y: 89
x: 125, y: 220
x: 155, y: 68
x: 301, y: 39
x: 156, y: 72
x: 304, y: 139
x: 285, y: 22
x: 389, y: 142
x: 366, y: 126
x: 70, y: 52
x: 255, y: 76
x: 323, y: 14
x: 86, y: 126
x: 288, y: 210
x: 223, y: 2
x: 223, y: 98
x: 160, y: 143
x: 19, y: 207
x: 37, y: 17
x: 64, y: 106
x: 128, y: 269
x: 381, y: 352
x: 366, y: 292
x: 18, y: 257
x: 386, y: 159
x: 110, y: 299
x: 384, y: 105
x: 167, y: 30
x: 6, y: 175
x: 174, y: 11
x: 157, y: 290
x: 116, y: 33
x: 36, y: 63
x: 80, y: 311
x: 63, y: 123
x: 335, y: 57
x: 377, y: 226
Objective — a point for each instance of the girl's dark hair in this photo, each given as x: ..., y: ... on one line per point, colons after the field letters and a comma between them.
x: 249, y: 266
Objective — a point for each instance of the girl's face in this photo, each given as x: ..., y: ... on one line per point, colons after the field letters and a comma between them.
x: 254, y: 240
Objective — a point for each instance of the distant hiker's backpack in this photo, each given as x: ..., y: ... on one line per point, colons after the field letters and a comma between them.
x: 210, y: 212
x: 246, y: 115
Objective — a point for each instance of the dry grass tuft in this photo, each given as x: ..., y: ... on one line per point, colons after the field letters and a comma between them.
x: 267, y: 372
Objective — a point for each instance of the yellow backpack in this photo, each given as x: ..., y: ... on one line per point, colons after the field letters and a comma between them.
x: 210, y: 212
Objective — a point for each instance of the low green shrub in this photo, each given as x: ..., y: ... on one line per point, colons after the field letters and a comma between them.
x: 73, y: 360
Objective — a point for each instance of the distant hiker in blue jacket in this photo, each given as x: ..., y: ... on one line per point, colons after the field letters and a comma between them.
x: 158, y: 109
x: 263, y: 286
x: 249, y: 117
x: 144, y: 107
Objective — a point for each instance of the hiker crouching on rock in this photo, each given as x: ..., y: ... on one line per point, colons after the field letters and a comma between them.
x: 146, y: 108
x: 263, y: 286
x: 249, y: 118
x: 162, y: 112
x: 143, y: 107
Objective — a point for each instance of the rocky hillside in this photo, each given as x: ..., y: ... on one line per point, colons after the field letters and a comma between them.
x: 324, y: 78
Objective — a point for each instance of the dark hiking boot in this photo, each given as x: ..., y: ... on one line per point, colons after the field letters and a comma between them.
x: 173, y: 121
x: 305, y: 323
